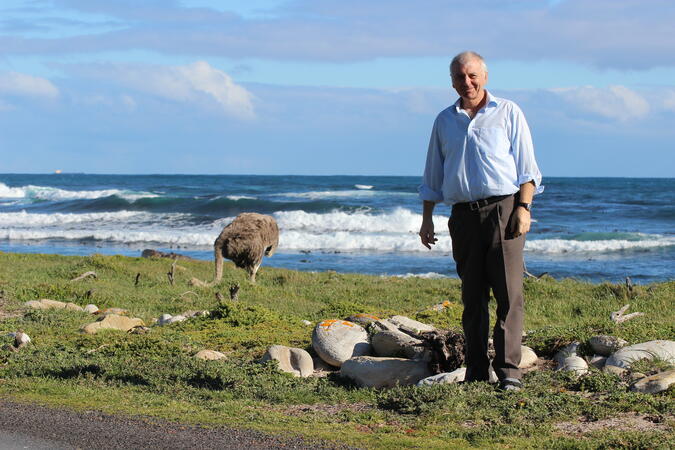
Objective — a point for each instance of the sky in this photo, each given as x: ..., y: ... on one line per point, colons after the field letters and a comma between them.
x: 326, y: 87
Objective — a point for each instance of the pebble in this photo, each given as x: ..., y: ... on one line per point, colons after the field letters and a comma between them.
x: 295, y: 361
x: 335, y: 341
x: 376, y: 372
x: 91, y: 309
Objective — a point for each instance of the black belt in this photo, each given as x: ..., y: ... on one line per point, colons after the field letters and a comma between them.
x: 476, y: 205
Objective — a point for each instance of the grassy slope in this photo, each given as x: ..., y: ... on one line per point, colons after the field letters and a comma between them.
x: 155, y: 374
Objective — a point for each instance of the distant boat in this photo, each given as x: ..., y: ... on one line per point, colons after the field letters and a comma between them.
x: 57, y: 171
x: 363, y: 186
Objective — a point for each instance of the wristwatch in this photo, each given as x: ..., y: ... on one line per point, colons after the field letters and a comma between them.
x: 527, y: 206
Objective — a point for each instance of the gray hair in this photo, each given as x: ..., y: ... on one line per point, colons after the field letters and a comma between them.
x: 464, y: 57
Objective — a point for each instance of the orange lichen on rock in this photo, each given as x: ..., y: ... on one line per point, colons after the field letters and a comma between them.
x: 328, y: 323
x: 367, y: 316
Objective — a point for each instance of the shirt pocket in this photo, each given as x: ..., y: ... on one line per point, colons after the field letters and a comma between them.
x: 492, y: 141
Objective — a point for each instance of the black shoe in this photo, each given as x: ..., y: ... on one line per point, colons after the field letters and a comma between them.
x: 510, y: 384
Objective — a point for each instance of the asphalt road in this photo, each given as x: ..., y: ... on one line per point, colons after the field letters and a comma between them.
x: 37, y: 427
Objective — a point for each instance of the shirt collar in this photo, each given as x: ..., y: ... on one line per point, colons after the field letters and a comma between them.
x: 491, y: 101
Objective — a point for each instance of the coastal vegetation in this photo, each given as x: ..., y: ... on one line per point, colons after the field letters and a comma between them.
x: 155, y: 373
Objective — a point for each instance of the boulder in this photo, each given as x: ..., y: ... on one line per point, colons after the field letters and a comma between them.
x: 363, y: 319
x: 370, y: 371
x: 566, y: 352
x: 661, y: 349
x: 598, y: 361
x: 335, y: 341
x: 210, y: 355
x: 655, y: 383
x: 291, y: 360
x: 91, y: 309
x: 52, y: 304
x: 114, y: 322
x: 444, y: 378
x: 528, y: 357
x: 405, y: 322
x: 396, y: 344
x: 574, y: 364
x: 606, y: 345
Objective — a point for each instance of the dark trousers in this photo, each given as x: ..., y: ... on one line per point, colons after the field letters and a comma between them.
x: 488, y: 256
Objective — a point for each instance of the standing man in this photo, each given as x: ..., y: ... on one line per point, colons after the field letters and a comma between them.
x: 481, y: 161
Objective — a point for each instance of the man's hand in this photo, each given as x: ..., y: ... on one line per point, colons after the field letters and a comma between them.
x: 427, y: 233
x: 520, y: 221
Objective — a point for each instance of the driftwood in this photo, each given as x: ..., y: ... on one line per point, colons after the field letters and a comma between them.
x: 234, y: 291
x: 619, y: 317
x: 446, y: 349
x: 85, y: 275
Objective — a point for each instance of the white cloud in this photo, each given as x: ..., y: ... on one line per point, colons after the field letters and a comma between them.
x: 14, y: 83
x: 198, y: 82
x: 669, y: 100
x: 614, y: 102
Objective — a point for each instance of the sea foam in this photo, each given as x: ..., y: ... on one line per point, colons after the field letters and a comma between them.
x: 56, y: 194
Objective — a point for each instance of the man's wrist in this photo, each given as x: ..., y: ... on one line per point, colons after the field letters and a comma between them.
x: 525, y: 205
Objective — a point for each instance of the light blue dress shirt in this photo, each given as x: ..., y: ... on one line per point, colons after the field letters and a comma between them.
x: 472, y: 159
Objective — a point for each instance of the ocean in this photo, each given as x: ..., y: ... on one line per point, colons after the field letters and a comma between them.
x: 595, y: 229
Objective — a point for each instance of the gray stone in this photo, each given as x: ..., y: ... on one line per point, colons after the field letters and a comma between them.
x: 574, y: 364
x: 370, y: 371
x: 291, y: 360
x: 210, y: 355
x: 598, y: 361
x: 306, y: 322
x: 405, y: 322
x: 528, y: 357
x: 363, y: 319
x: 396, y: 344
x: 335, y: 341
x: 91, y: 309
x: 606, y: 345
x: 661, y: 349
x: 618, y: 371
x: 455, y: 376
x: 655, y: 383
x: 176, y: 318
x: 52, y: 304
x: 164, y: 319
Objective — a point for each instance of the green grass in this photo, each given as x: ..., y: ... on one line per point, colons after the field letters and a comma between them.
x: 155, y: 374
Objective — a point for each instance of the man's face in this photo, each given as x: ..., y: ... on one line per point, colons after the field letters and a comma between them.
x: 469, y: 79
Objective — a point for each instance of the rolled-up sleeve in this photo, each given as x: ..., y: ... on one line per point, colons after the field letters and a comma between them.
x: 432, y: 181
x: 523, y: 150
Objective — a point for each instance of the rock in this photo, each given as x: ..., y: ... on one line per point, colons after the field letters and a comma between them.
x: 291, y: 360
x: 114, y: 322
x: 370, y: 371
x: 176, y: 318
x: 441, y: 306
x: 200, y: 313
x: 198, y: 283
x: 210, y: 355
x: 444, y: 378
x: 661, y: 349
x: 52, y: 304
x: 528, y: 357
x: 636, y: 376
x: 139, y: 330
x: 618, y: 371
x: 606, y: 345
x: 306, y: 322
x: 335, y: 341
x: 91, y: 309
x: 164, y: 319
x: 21, y: 339
x: 575, y: 364
x: 363, y: 319
x: 565, y: 352
x: 405, y: 322
x: 396, y: 344
x: 598, y: 361
x: 321, y: 367
x: 655, y: 383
